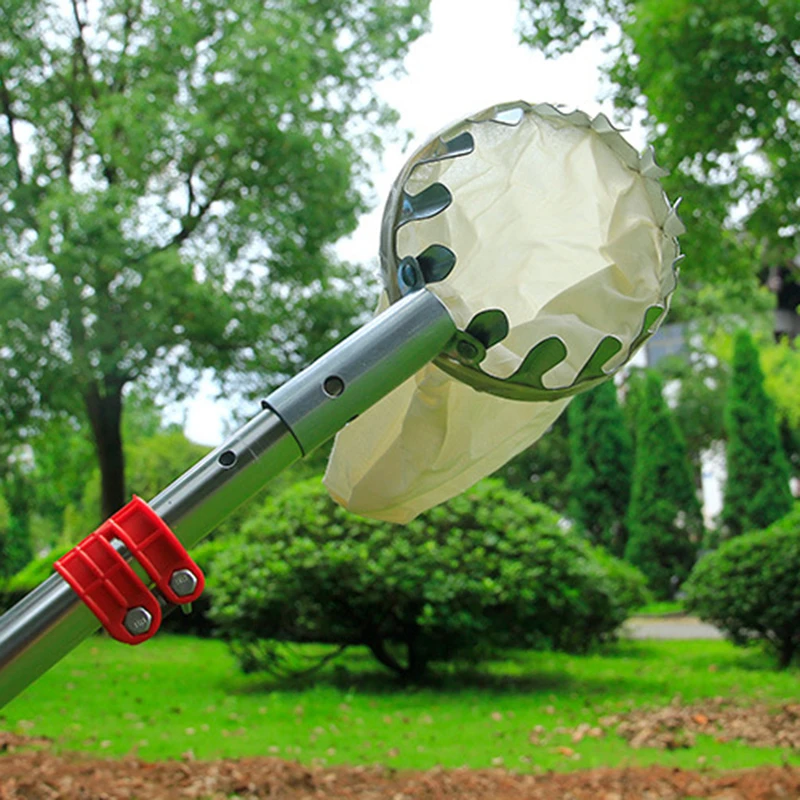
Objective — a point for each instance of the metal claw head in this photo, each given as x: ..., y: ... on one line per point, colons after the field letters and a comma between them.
x: 548, y: 238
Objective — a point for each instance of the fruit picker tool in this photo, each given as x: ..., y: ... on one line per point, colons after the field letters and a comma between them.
x: 526, y: 254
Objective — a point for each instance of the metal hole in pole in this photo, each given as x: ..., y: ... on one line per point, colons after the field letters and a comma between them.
x: 333, y: 386
x: 227, y: 459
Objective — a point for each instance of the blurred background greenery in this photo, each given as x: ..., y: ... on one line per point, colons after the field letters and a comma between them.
x: 174, y: 178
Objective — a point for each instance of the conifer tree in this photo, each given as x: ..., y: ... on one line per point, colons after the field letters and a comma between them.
x: 601, y: 455
x: 664, y: 520
x: 757, y: 488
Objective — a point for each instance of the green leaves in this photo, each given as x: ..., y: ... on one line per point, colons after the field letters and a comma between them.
x: 559, y: 26
x: 172, y: 176
x: 663, y: 519
x: 601, y: 456
x: 488, y: 569
x: 716, y: 83
x: 15, y: 549
x: 749, y: 588
x: 757, y: 487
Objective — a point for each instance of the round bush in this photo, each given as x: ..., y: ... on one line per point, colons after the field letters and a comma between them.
x: 489, y: 569
x: 750, y: 588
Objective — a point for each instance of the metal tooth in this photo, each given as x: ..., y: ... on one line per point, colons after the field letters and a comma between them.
x: 460, y: 145
x: 659, y: 202
x: 673, y: 226
x: 611, y: 137
x: 509, y: 116
x: 436, y: 262
x: 602, y: 124
x: 650, y: 323
x: 593, y: 369
x: 580, y: 119
x: 428, y: 203
x: 489, y: 327
x: 648, y: 166
x: 540, y: 360
x: 505, y: 114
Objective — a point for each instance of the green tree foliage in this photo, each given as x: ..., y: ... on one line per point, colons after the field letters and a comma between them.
x: 782, y: 382
x: 47, y: 474
x: 749, y: 588
x: 158, y: 460
x: 51, y: 482
x: 154, y: 462
x: 699, y: 403
x: 171, y: 175
x: 716, y: 84
x: 781, y: 366
x: 540, y: 472
x: 15, y: 551
x: 485, y: 570
x: 664, y: 521
x: 601, y: 456
x: 633, y: 393
x: 757, y: 487
x: 5, y: 524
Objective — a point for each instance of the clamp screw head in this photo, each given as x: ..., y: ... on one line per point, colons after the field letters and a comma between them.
x: 138, y: 621
x: 183, y: 582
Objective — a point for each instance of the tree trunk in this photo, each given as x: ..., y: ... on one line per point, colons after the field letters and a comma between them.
x: 786, y: 652
x: 383, y: 656
x: 417, y: 662
x: 415, y: 671
x: 104, y: 407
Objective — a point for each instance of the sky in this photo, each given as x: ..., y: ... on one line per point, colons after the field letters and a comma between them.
x: 470, y: 59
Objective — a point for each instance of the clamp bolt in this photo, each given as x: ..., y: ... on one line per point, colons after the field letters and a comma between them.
x: 183, y: 582
x: 138, y: 621
x: 466, y: 350
x: 410, y: 274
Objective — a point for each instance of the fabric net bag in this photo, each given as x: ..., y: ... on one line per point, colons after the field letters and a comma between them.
x: 553, y: 247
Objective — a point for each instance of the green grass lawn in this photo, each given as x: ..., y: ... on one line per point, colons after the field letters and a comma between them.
x: 173, y: 695
x: 659, y: 608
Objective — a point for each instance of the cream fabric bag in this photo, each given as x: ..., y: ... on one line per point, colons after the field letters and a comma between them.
x: 559, y: 223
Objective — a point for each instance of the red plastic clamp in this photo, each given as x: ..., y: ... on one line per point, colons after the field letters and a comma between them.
x: 105, y: 581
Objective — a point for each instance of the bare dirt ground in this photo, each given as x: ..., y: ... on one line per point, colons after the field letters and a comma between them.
x: 42, y: 776
x: 37, y: 774
x: 676, y: 726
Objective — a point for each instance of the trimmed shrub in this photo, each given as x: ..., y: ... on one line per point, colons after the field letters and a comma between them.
x: 664, y: 520
x: 750, y: 588
x: 629, y: 585
x: 601, y: 459
x: 487, y: 570
x: 757, y: 488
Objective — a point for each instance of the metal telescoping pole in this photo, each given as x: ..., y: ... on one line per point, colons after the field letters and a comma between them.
x: 305, y: 412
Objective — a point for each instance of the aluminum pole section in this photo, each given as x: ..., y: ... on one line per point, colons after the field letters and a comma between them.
x: 305, y: 412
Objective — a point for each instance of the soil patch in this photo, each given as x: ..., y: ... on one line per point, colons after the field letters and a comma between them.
x: 676, y: 726
x: 44, y: 776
